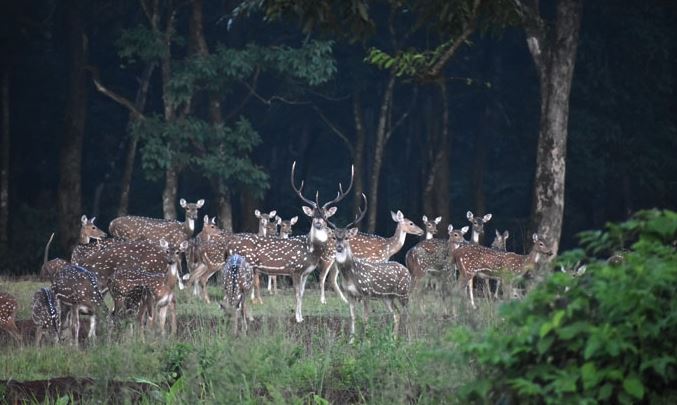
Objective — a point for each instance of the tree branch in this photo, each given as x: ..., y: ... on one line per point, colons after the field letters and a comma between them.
x: 404, y: 116
x: 123, y: 101
x: 270, y: 100
x: 335, y: 130
x: 246, y: 98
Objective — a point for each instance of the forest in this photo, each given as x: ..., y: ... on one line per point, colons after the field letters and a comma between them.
x: 556, y: 117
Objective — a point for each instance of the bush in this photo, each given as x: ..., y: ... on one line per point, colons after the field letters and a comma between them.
x: 607, y: 335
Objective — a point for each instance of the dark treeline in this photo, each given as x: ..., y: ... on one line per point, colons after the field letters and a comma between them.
x: 213, y: 105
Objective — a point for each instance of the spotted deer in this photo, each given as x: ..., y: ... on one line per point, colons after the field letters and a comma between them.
x: 432, y: 255
x: 8, y: 308
x: 46, y: 315
x: 475, y: 260
x: 210, y: 243
x: 285, y: 230
x: 139, y: 285
x: 154, y: 229
x: 364, y: 280
x: 372, y: 248
x: 431, y: 226
x: 267, y: 227
x: 477, y: 233
x: 78, y: 289
x: 238, y: 276
x: 297, y: 256
x: 89, y: 232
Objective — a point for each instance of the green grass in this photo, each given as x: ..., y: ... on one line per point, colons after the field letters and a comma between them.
x: 278, y: 361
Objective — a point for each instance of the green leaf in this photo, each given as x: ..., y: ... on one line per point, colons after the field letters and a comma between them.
x: 634, y: 387
x: 589, y: 375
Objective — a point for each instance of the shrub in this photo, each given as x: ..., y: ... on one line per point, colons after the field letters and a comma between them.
x: 607, y: 335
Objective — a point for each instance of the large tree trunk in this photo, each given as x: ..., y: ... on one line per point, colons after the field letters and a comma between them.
x: 4, y: 171
x: 358, y: 156
x: 172, y: 173
x: 169, y: 193
x: 442, y: 173
x: 70, y: 153
x: 382, y: 132
x: 554, y: 55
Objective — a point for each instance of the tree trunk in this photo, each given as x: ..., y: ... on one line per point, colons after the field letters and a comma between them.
x: 379, y: 148
x: 480, y: 162
x: 140, y: 104
x: 169, y: 193
x: 555, y: 60
x: 358, y: 157
x: 224, y: 208
x: 4, y: 171
x: 70, y: 153
x: 441, y: 188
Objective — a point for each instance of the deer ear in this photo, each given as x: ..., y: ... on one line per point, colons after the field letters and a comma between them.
x: 469, y: 215
x: 200, y: 203
x: 400, y: 216
x: 164, y: 244
x: 183, y: 246
x: 352, y: 232
x: 330, y: 211
x: 293, y: 220
x: 486, y: 218
x: 498, y: 234
x: 464, y: 230
x: 438, y: 220
x: 535, y: 237
x: 272, y: 214
x: 425, y: 219
x: 205, y: 219
x: 182, y: 203
x: 83, y: 219
x: 450, y: 228
x: 257, y: 213
x: 278, y: 220
x: 214, y: 220
x: 307, y: 210
x: 91, y: 221
x: 506, y: 235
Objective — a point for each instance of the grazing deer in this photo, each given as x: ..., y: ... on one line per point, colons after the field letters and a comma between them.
x: 8, y: 307
x: 364, y: 280
x: 475, y: 260
x: 154, y: 229
x: 373, y: 248
x: 297, y: 256
x: 46, y: 315
x: 133, y: 285
x: 285, y: 230
x: 238, y: 277
x: 432, y: 255
x: 431, y: 226
x: 266, y: 223
x: 78, y: 289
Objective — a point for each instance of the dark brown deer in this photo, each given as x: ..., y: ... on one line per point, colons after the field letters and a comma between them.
x: 475, y: 260
x: 364, y: 280
x: 372, y: 248
x: 78, y: 289
x: 431, y: 226
x: 154, y: 229
x: 134, y: 284
x: 8, y: 308
x: 432, y: 255
x: 297, y: 256
x: 238, y: 276
x: 46, y: 315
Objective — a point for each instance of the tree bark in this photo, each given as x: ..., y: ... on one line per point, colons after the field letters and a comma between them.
x: 169, y: 193
x: 224, y: 208
x: 4, y: 171
x: 480, y: 161
x: 554, y: 54
x: 382, y: 132
x: 358, y: 154
x: 70, y: 153
x: 442, y: 173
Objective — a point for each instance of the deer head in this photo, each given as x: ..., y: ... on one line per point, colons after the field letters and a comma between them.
x: 500, y: 240
x: 209, y: 228
x: 173, y: 257
x: 431, y: 226
x: 456, y: 237
x: 286, y: 226
x: 406, y: 225
x: 89, y: 231
x: 342, y: 235
x: 540, y: 248
x: 320, y: 214
x: 191, y: 211
x: 264, y: 220
x: 477, y: 225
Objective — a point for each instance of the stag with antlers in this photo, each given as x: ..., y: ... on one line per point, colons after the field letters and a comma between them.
x: 297, y: 256
x: 364, y: 280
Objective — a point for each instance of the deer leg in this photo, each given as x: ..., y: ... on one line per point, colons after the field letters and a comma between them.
x: 323, y: 278
x: 75, y: 324
x: 396, y: 316
x: 498, y: 286
x: 173, y: 315
x: 296, y: 281
x: 334, y: 283
x: 351, y: 305
x: 11, y: 328
x: 91, y: 334
x: 365, y: 302
x: 270, y: 285
x: 38, y: 335
x: 470, y: 288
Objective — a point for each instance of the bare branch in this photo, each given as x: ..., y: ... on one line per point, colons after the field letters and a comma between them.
x: 123, y: 101
x: 246, y: 98
x: 335, y: 130
x: 270, y: 100
x: 404, y: 115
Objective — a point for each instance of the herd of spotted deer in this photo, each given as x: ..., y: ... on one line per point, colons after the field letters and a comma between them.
x: 140, y: 266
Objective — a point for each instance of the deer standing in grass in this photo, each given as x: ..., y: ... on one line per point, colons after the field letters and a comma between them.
x: 154, y: 229
x: 153, y: 292
x: 211, y: 242
x: 8, y: 308
x: 477, y: 233
x: 364, y: 280
x: 266, y: 224
x: 78, y: 289
x: 46, y: 315
x: 370, y: 247
x: 285, y: 230
x: 297, y: 256
x: 238, y: 277
x: 474, y: 260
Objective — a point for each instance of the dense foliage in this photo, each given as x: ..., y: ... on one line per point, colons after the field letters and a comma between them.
x: 606, y: 335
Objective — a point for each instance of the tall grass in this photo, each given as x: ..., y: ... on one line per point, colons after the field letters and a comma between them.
x: 278, y: 361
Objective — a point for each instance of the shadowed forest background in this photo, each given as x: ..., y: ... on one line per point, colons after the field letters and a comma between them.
x: 94, y: 102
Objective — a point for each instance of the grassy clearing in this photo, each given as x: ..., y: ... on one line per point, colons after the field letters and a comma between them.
x: 279, y: 361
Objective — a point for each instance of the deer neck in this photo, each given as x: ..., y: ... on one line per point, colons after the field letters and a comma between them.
x: 345, y: 262
x: 428, y: 235
x: 262, y: 230
x: 396, y: 241
x: 172, y: 275
x: 84, y: 238
x: 189, y: 226
x: 475, y: 236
